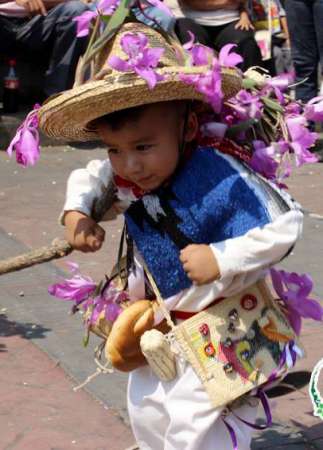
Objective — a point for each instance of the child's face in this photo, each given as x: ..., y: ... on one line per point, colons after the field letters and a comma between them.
x: 146, y: 151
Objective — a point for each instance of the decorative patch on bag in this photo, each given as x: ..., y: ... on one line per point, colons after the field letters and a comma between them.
x: 239, y: 343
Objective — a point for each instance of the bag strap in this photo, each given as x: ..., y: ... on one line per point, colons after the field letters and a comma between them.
x: 159, y: 298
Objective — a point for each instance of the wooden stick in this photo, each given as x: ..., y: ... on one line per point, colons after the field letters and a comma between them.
x: 57, y: 249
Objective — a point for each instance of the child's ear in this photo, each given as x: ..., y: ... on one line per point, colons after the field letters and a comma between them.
x: 191, y: 127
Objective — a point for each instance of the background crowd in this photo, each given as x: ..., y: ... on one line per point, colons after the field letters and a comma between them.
x: 277, y: 36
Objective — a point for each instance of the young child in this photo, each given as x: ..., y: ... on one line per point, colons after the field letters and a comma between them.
x: 204, y: 223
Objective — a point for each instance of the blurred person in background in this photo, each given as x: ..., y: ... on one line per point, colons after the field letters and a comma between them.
x: 272, y: 34
x: 44, y: 28
x: 216, y: 23
x: 305, y: 23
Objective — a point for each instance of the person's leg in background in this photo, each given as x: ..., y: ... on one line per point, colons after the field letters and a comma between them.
x: 55, y: 34
x: 305, y: 53
x: 8, y: 35
x: 246, y: 44
x: 182, y: 28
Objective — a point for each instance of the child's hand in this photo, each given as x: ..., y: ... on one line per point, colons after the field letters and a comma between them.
x: 82, y: 232
x: 244, y: 22
x: 199, y: 263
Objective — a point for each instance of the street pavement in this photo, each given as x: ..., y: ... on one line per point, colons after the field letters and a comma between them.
x: 41, y: 352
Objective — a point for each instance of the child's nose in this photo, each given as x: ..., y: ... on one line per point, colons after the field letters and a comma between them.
x: 133, y: 166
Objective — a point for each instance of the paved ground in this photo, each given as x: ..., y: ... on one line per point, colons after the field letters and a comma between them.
x: 40, y: 344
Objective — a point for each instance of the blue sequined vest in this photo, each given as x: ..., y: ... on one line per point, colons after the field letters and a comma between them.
x: 207, y: 201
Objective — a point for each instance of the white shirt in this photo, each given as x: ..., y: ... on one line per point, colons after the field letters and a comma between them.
x: 208, y: 18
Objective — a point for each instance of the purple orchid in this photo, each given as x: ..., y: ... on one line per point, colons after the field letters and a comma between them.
x: 77, y: 289
x: 83, y: 23
x: 293, y: 108
x: 200, y: 54
x: 228, y: 58
x: 26, y: 141
x: 246, y: 105
x: 161, y: 5
x: 314, y: 109
x: 263, y: 160
x: 108, y: 7
x: 82, y: 289
x: 271, y: 161
x: 108, y: 303
x: 141, y: 58
x: 294, y: 290
x: 301, y: 140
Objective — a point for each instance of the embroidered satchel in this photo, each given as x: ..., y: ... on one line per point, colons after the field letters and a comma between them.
x: 237, y: 344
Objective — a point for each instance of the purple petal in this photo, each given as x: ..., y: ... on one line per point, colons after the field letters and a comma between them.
x: 189, y: 44
x: 74, y: 289
x: 119, y: 64
x: 310, y: 308
x: 83, y: 23
x: 302, y: 155
x: 201, y: 55
x: 151, y: 57
x: 229, y: 59
x: 161, y: 5
x: 27, y: 150
x: 148, y: 75
x: 15, y: 141
x: 112, y: 312
x: 276, y: 277
x: 133, y: 43
x: 314, y: 109
x: 295, y: 321
x: 108, y: 7
x: 262, y: 161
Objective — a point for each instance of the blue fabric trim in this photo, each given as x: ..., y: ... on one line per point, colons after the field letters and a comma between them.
x: 213, y: 203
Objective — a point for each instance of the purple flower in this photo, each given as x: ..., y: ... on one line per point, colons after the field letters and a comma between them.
x: 301, y: 140
x: 227, y: 59
x: 26, y: 141
x: 200, y: 54
x: 78, y: 288
x: 141, y: 58
x: 314, y: 109
x: 282, y: 81
x: 108, y: 7
x: 209, y: 84
x: 83, y: 23
x: 246, y: 105
x: 161, y: 5
x: 263, y: 160
x: 294, y: 289
x: 293, y: 108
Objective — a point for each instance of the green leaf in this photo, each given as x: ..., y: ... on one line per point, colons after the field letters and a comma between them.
x: 272, y: 104
x: 239, y: 128
x: 249, y: 83
x: 86, y: 338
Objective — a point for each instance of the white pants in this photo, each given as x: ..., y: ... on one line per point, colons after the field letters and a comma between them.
x: 178, y: 415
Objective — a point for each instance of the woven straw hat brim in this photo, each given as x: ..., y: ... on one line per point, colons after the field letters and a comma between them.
x: 66, y: 116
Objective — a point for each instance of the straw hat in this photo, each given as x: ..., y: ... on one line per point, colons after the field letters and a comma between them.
x: 68, y: 114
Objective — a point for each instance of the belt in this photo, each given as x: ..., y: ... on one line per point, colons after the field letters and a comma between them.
x: 184, y: 315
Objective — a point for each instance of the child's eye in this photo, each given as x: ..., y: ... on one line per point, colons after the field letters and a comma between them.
x: 143, y: 147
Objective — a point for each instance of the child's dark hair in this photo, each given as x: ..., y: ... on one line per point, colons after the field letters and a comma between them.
x: 118, y: 119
